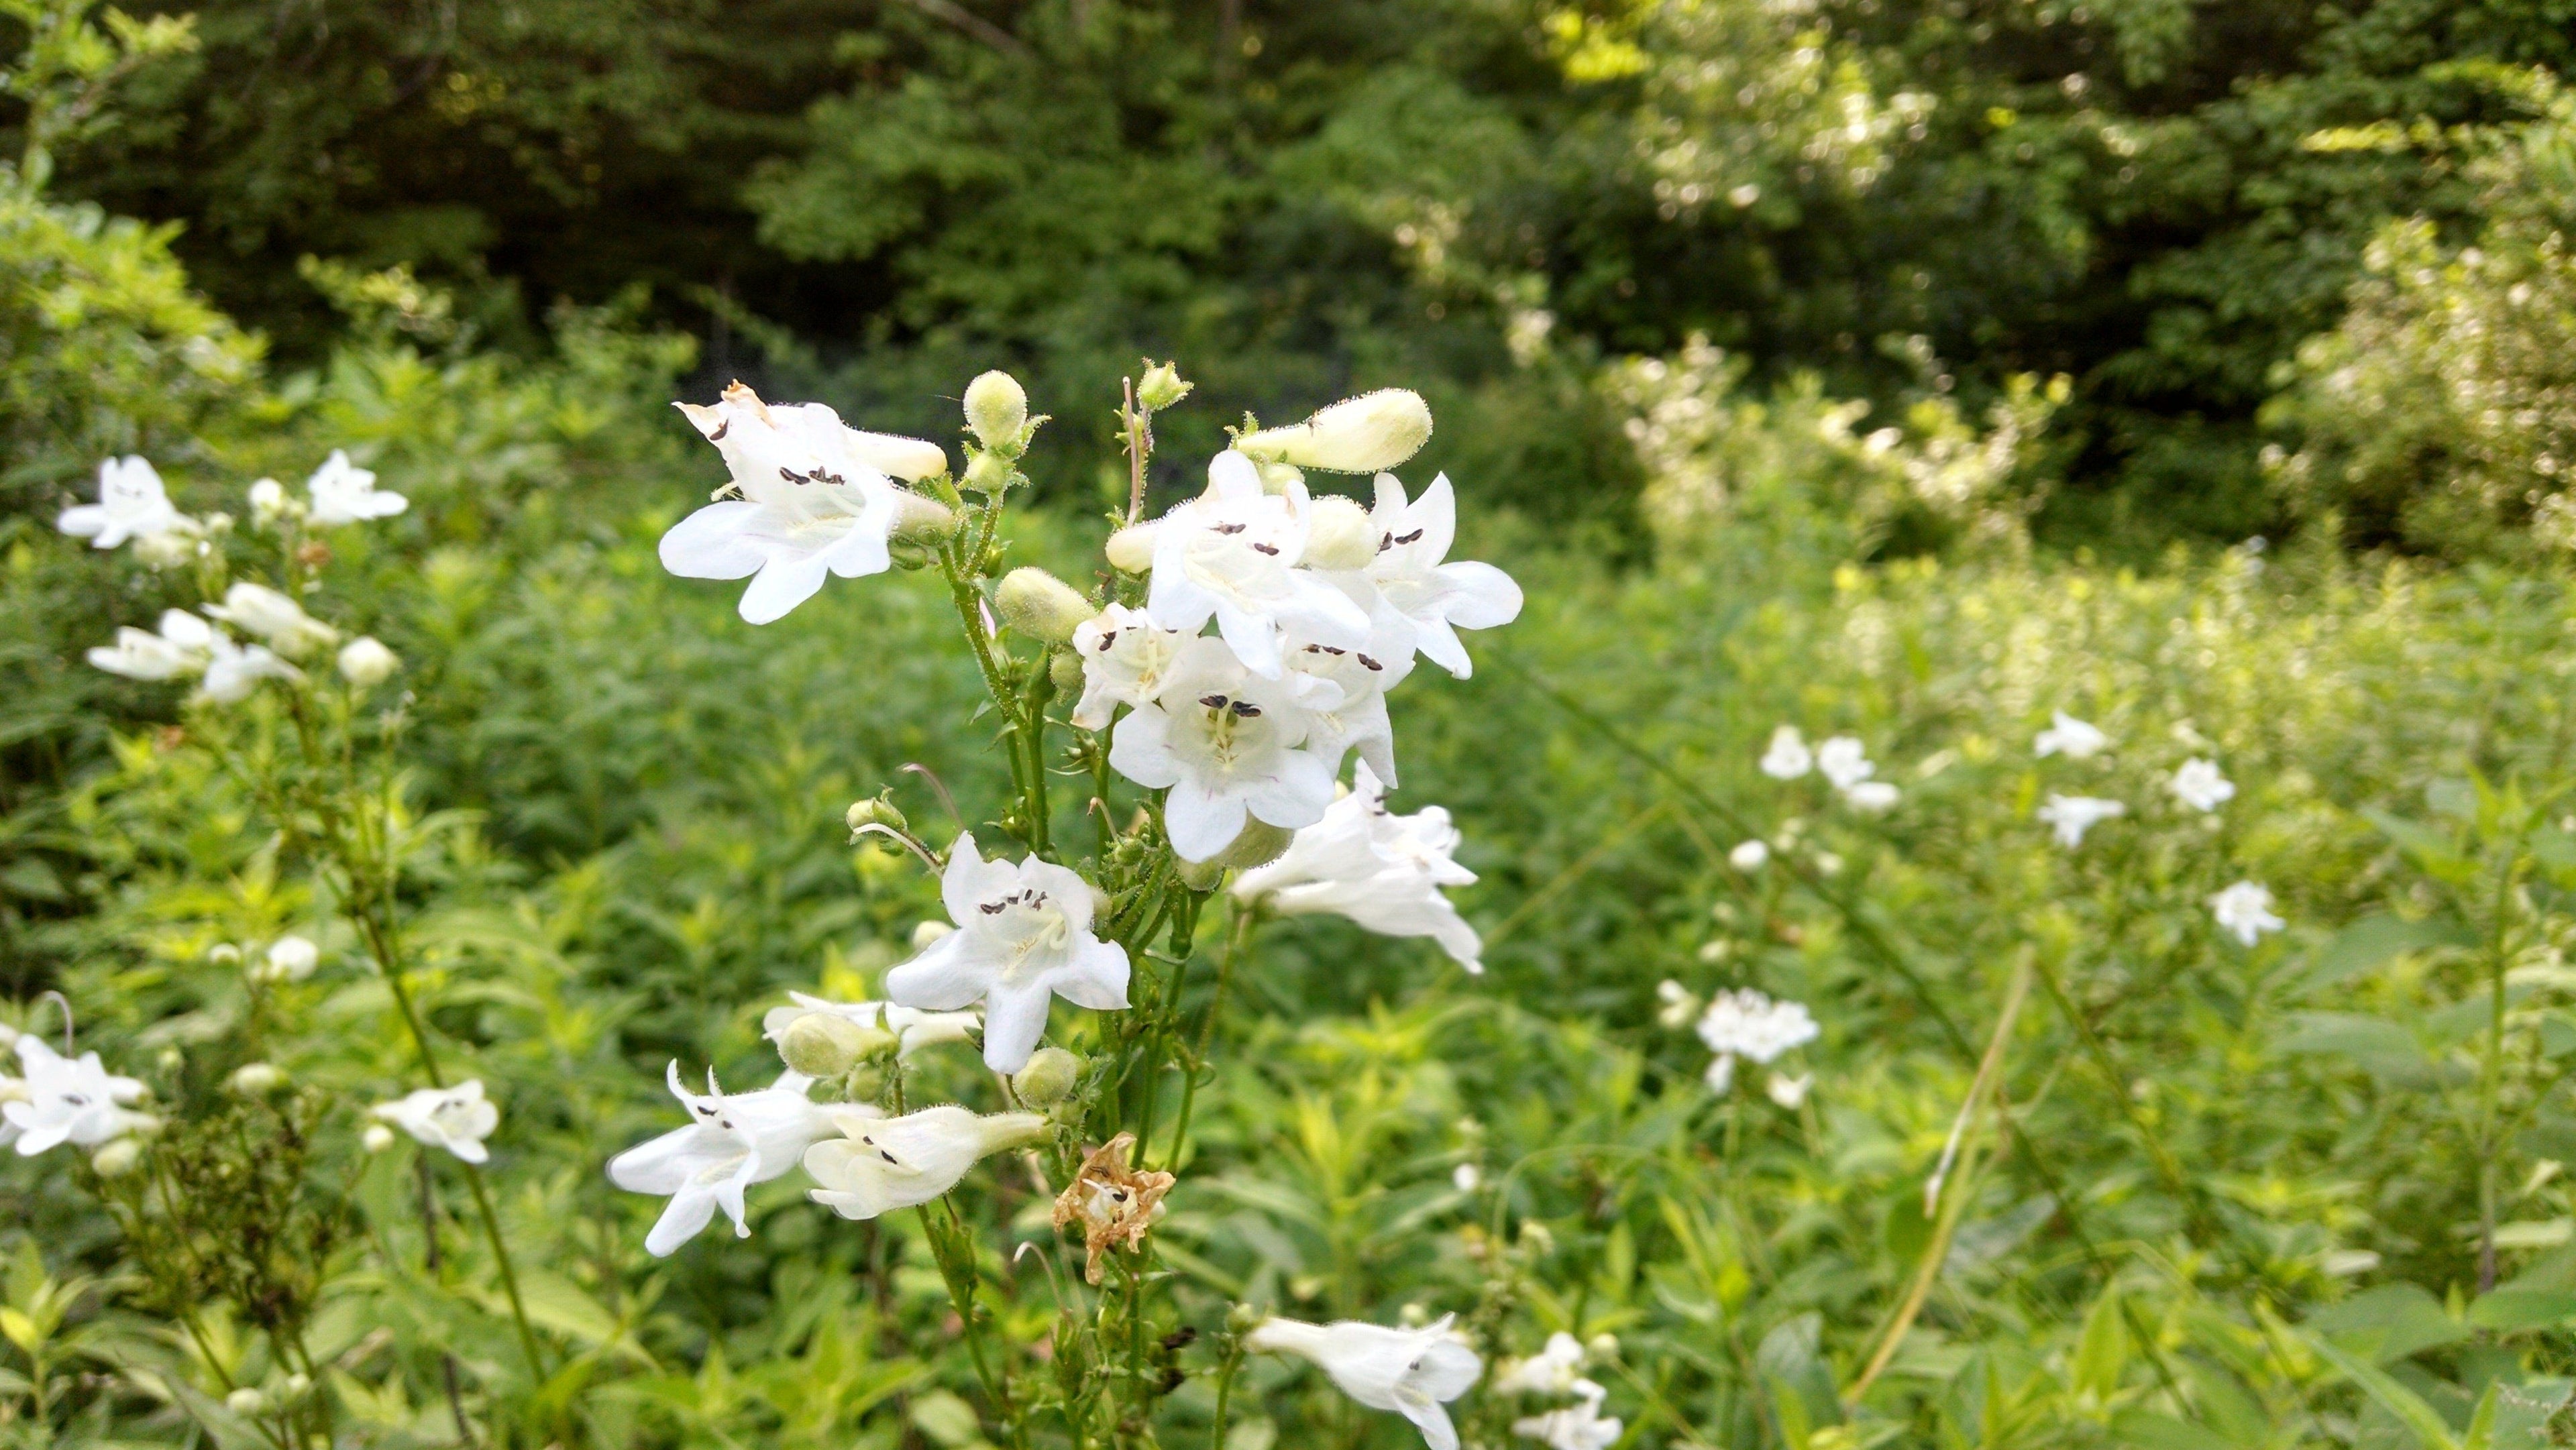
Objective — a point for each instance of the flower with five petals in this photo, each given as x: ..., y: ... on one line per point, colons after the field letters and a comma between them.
x: 732, y: 1140
x: 1023, y: 938
x: 1228, y: 744
x: 1413, y: 1372
x: 1435, y: 598
x: 1231, y: 554
x: 132, y: 504
x: 344, y: 493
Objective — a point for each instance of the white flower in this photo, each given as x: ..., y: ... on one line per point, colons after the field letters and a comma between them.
x: 1125, y: 659
x: 882, y: 1164
x: 1745, y: 1023
x: 291, y: 959
x: 1466, y: 1178
x: 1579, y: 1426
x: 183, y: 647
x: 817, y: 498
x: 1435, y: 599
x: 1357, y: 435
x: 274, y: 617
x: 2071, y: 738
x: 454, y: 1118
x: 1787, y: 756
x: 2200, y: 785
x: 233, y: 671
x: 733, y: 1140
x: 913, y: 1029
x: 1231, y: 554
x: 1373, y: 867
x: 2073, y: 815
x: 2245, y: 910
x: 1343, y: 695
x: 1228, y: 744
x: 1845, y: 761
x: 1410, y: 1371
x: 1678, y: 1005
x: 344, y: 493
x: 1749, y: 856
x: 268, y: 502
x: 1023, y: 938
x: 1720, y: 1074
x: 1789, y: 1091
x: 366, y: 663
x: 1871, y: 795
x: 1551, y: 1371
x: 67, y: 1100
x: 132, y: 504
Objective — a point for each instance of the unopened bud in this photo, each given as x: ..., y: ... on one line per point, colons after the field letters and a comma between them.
x: 1339, y: 535
x: 292, y: 959
x: 246, y: 1402
x: 366, y: 663
x: 895, y: 456
x: 864, y: 1082
x: 1041, y: 606
x: 1131, y: 549
x: 377, y: 1138
x: 297, y: 1385
x: 1161, y: 387
x: 874, y: 811
x: 824, y: 1044
x: 1258, y: 844
x: 1048, y: 1078
x: 255, y: 1079
x: 116, y: 1159
x: 224, y: 954
x: 997, y: 408
x: 927, y: 932
x: 267, y: 501
x: 1244, y: 1318
x: 1201, y: 875
x: 1365, y: 434
x: 989, y: 472
x: 1065, y: 669
x: 921, y: 520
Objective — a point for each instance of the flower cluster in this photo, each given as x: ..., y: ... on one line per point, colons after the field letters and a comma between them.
x: 1746, y: 1023
x: 1843, y: 761
x: 1368, y: 865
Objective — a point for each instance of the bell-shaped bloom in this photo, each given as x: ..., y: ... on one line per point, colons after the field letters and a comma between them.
x: 1579, y: 1426
x: 233, y: 670
x: 1413, y: 1372
x: 1023, y: 938
x: 1435, y: 598
x: 274, y: 617
x: 1551, y: 1371
x: 1787, y: 756
x: 2075, y: 739
x: 1343, y: 695
x: 182, y: 647
x: 1125, y: 659
x: 816, y: 498
x: 732, y: 1141
x: 2200, y: 785
x: 1370, y: 866
x: 878, y: 1165
x: 2244, y: 911
x: 1845, y: 761
x: 132, y: 504
x: 67, y: 1100
x: 457, y: 1118
x: 344, y: 493
x: 2073, y: 815
x: 912, y: 1028
x: 1231, y: 554
x: 1228, y: 744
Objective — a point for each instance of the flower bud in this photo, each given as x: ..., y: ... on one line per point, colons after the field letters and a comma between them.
x: 864, y: 1082
x: 377, y: 1138
x: 116, y: 1159
x: 1749, y: 855
x: 997, y: 408
x: 268, y: 501
x: 1258, y: 844
x: 1131, y: 549
x: 989, y: 472
x: 292, y: 959
x: 1065, y: 669
x: 1366, y: 434
x: 1041, y: 606
x: 1339, y: 535
x: 928, y: 932
x: 874, y: 811
x: 297, y: 1385
x: 366, y: 663
x: 224, y: 954
x: 920, y: 520
x: 824, y: 1044
x: 246, y: 1401
x: 1243, y: 1319
x: 255, y: 1079
x: 1161, y: 387
x: 1049, y: 1077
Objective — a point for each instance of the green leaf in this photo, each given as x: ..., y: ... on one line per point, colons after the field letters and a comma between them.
x: 2429, y: 848
x: 2103, y: 1352
x: 2388, y: 1323
x: 2409, y: 1409
x: 2377, y: 1046
x: 2510, y: 1308
x: 1802, y: 1386
x: 2374, y: 941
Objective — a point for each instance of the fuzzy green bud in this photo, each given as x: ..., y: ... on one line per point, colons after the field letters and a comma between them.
x: 989, y: 472
x: 1131, y: 549
x: 377, y: 1138
x: 116, y: 1159
x: 1065, y: 669
x: 255, y: 1079
x: 921, y: 520
x: 1339, y: 535
x: 1049, y: 1077
x: 997, y: 408
x: 1258, y: 844
x: 822, y: 1044
x: 246, y: 1402
x: 1041, y: 606
x: 874, y: 811
x: 1365, y: 434
x: 864, y: 1083
x: 1244, y: 1318
x: 1161, y: 387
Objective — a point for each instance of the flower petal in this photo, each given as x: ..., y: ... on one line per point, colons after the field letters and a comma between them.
x: 1014, y: 1019
x: 943, y: 978
x: 781, y: 585
x: 709, y: 544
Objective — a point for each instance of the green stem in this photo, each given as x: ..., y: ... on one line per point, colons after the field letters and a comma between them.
x: 2491, y: 1083
x: 1238, y: 935
x: 1224, y: 1390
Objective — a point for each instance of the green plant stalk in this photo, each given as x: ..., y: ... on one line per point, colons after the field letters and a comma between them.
x: 1238, y: 936
x: 2491, y: 1080
x: 1224, y: 1390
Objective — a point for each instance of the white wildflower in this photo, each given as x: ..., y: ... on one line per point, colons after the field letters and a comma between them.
x: 881, y: 1164
x: 233, y: 670
x: 1231, y: 554
x: 132, y: 504
x: 455, y: 1118
x: 1434, y: 598
x: 2070, y: 737
x: 1579, y: 1426
x: 1873, y: 796
x: 1787, y: 756
x: 1749, y: 856
x: 1413, y: 1372
x: 1551, y: 1371
x: 2200, y: 785
x: 1023, y: 938
x: 2072, y: 815
x: 732, y: 1140
x: 275, y: 618
x: 912, y: 1028
x: 344, y: 493
x: 1125, y: 659
x: 1788, y: 1091
x: 2244, y: 910
x: 1368, y: 865
x: 1228, y: 744
x: 1845, y: 762
x: 366, y: 663
x: 182, y: 647
x: 67, y: 1100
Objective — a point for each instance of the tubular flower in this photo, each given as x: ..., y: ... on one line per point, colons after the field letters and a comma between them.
x: 233, y: 670
x: 1551, y: 1371
x: 456, y: 1118
x: 1579, y: 1426
x: 2072, y: 815
x: 731, y: 1142
x: 1787, y: 756
x: 344, y: 493
x: 1434, y: 598
x: 1113, y: 1203
x: 1023, y: 937
x: 1413, y: 1372
x: 274, y: 617
x: 814, y: 497
x: 2244, y: 911
x: 2200, y: 785
x: 1231, y: 554
x: 2075, y: 739
x: 913, y: 1029
x: 1370, y: 866
x: 183, y: 647
x: 1229, y: 745
x: 1746, y: 1023
x: 881, y: 1164
x: 67, y: 1100
x: 1125, y: 658
x: 1343, y: 693
x: 132, y: 504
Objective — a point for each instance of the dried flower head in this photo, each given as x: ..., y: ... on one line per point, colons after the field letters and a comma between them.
x: 1114, y: 1203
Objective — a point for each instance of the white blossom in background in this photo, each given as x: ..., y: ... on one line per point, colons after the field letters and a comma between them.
x: 1368, y: 865
x: 2073, y: 815
x: 1466, y: 1178
x: 344, y: 493
x: 816, y: 498
x: 1125, y: 658
x: 1789, y: 1091
x: 1787, y: 756
x: 1748, y: 1024
x: 2070, y: 737
x: 268, y: 502
x: 1023, y: 939
x: 275, y: 618
x: 1231, y: 555
x: 132, y: 504
x: 913, y: 1029
x: 1551, y: 1371
x: 289, y: 959
x: 67, y: 1100
x: 1845, y: 761
x: 1873, y: 796
x: 234, y: 670
x: 1229, y: 745
x: 732, y: 1141
x: 1675, y: 1005
x: 366, y: 663
x: 1435, y: 598
x: 182, y: 647
x: 456, y: 1118
x: 1579, y: 1426
x: 1413, y: 1372
x: 879, y: 1165
x: 2244, y: 911
x: 1749, y: 856
x: 2200, y: 785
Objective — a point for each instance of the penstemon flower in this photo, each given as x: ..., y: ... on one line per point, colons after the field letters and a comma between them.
x: 1746, y: 1023
x: 2244, y: 911
x: 344, y: 493
x: 274, y: 617
x: 1844, y: 761
x: 1125, y: 659
x: 182, y: 647
x: 2200, y: 785
x: 732, y: 1140
x: 1343, y: 695
x: 1373, y: 867
x: 68, y: 1100
x: 1231, y: 554
x: 1228, y: 745
x: 1579, y: 1426
x: 1113, y: 1203
x: 1873, y: 796
x: 814, y: 498
x: 1413, y: 1372
x: 2075, y: 739
x: 1023, y: 938
x: 456, y: 1118
x: 233, y: 670
x: 1435, y: 599
x: 1787, y: 756
x: 2073, y: 815
x: 912, y: 1028
x: 132, y: 504
x: 881, y: 1164
x: 1551, y: 1371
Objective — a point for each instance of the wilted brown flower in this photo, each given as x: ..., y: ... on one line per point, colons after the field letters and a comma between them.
x: 1114, y: 1203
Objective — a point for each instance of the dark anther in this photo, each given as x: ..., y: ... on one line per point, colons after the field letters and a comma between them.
x: 1244, y: 710
x: 1108, y: 638
x: 1181, y: 1338
x: 1408, y: 538
x: 1213, y: 702
x: 1265, y: 548
x: 1227, y: 528
x: 1364, y: 659
x: 721, y: 430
